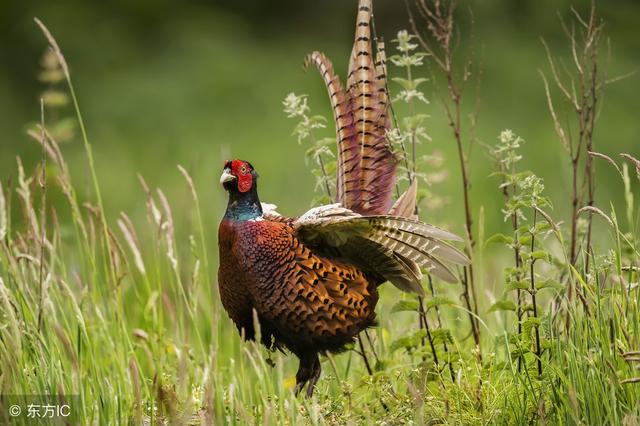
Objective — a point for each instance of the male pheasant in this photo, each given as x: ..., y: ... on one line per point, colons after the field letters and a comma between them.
x: 311, y: 281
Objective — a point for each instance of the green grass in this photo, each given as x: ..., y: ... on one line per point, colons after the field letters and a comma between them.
x: 125, y: 314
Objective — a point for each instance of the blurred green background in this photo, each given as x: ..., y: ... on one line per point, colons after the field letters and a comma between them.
x: 162, y: 83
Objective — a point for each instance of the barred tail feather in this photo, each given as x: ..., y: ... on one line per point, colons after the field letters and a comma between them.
x: 365, y: 79
x: 348, y: 150
x: 385, y: 240
x: 405, y: 205
x: 366, y: 164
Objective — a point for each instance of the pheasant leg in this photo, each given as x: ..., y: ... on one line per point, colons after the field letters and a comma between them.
x: 314, y: 378
x: 308, y: 372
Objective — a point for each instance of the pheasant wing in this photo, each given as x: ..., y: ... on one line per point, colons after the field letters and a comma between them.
x: 400, y: 244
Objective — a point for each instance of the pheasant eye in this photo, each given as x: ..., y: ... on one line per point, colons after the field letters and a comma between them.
x: 243, y: 169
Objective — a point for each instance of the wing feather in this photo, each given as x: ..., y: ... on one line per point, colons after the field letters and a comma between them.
x: 390, y: 246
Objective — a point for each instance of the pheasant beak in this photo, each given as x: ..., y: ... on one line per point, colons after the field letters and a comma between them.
x: 226, y: 176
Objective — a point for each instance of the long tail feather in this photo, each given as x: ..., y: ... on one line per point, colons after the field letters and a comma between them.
x: 384, y: 119
x: 366, y: 84
x: 348, y: 150
x: 366, y: 164
x: 367, y: 174
x: 405, y: 205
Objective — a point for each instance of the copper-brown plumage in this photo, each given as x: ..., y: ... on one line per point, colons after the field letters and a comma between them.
x: 305, y: 299
x: 312, y: 281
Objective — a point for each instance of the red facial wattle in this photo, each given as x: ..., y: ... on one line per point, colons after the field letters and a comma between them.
x: 242, y: 171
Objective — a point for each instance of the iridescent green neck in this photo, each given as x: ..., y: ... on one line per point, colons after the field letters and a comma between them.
x: 243, y: 206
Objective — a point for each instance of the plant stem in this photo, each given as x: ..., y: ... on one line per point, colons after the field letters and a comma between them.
x: 43, y: 216
x: 364, y: 356
x: 439, y: 21
x: 581, y: 91
x: 533, y: 294
x: 429, y: 336
x: 325, y: 176
x: 373, y: 349
x: 516, y: 249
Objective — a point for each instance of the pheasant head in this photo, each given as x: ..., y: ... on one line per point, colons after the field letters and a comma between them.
x: 240, y: 180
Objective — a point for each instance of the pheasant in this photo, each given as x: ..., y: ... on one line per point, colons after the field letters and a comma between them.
x: 311, y: 281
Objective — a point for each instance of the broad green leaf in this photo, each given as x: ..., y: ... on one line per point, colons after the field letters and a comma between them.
x: 405, y: 306
x: 539, y: 254
x: 330, y: 167
x: 326, y: 141
x: 415, y: 121
x: 438, y: 301
x: 500, y: 175
x: 519, y: 352
x: 542, y: 227
x: 317, y: 119
x: 405, y: 83
x: 545, y: 343
x: 503, y: 305
x: 517, y: 285
x: 441, y: 335
x: 418, y: 81
x: 527, y: 307
x: 550, y: 283
x: 409, y: 342
x: 381, y: 365
x: 528, y: 325
x: 525, y: 240
x: 514, y: 339
x: 499, y: 238
x: 422, y: 194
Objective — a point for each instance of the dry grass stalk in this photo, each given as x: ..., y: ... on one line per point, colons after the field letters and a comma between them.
x: 43, y: 218
x: 134, y: 372
x: 581, y: 89
x: 608, y: 159
x: 189, y: 180
x: 153, y: 213
x: 633, y: 161
x: 169, y: 230
x: 24, y: 193
x: 196, y: 200
x: 87, y: 146
x: 12, y: 322
x: 3, y: 214
x: 125, y: 225
x: 54, y: 48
